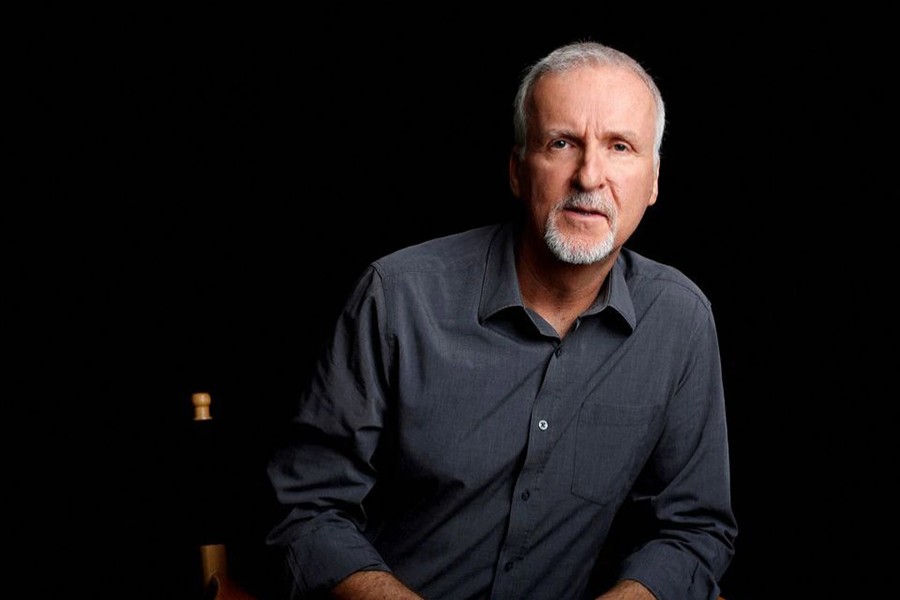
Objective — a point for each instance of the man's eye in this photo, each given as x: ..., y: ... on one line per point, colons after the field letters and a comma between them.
x: 559, y: 144
x: 619, y: 147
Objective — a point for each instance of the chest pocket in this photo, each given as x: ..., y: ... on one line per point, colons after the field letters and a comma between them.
x: 612, y: 443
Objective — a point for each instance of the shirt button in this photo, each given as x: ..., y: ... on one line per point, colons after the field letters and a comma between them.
x: 558, y: 352
x: 543, y: 425
x: 508, y: 566
x: 526, y: 495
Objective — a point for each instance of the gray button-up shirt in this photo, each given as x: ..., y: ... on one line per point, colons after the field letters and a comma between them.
x: 450, y: 436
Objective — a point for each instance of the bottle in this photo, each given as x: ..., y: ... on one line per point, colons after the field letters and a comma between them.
x: 212, y: 507
x: 208, y: 462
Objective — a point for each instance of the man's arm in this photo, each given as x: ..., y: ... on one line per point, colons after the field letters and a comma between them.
x: 627, y: 589
x: 324, y: 472
x: 374, y: 585
x: 686, y: 483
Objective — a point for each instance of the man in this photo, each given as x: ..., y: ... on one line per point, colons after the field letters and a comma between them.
x: 491, y: 403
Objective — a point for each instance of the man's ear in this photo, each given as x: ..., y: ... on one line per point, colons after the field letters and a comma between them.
x: 514, y: 164
x: 655, y: 192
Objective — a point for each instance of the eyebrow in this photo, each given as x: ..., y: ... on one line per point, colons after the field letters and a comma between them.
x: 629, y: 135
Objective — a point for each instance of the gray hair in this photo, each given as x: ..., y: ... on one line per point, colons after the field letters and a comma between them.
x: 572, y: 56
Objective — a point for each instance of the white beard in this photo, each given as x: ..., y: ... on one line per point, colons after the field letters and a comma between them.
x: 577, y: 253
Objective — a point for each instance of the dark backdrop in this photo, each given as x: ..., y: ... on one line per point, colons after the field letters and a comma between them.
x: 203, y: 186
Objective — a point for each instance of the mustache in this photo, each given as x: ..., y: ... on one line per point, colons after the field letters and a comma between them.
x: 593, y: 201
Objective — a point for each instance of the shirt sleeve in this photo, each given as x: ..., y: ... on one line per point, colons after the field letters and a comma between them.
x: 325, y: 471
x: 687, y: 484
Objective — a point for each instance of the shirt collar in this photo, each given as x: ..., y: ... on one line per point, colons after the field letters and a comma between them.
x: 500, y: 286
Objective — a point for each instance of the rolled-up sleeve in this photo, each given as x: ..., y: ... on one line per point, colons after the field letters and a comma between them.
x: 326, y: 471
x: 689, y: 469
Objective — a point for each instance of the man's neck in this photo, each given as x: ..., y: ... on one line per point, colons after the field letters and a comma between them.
x: 559, y: 291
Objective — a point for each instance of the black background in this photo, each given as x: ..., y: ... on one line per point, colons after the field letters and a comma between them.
x: 201, y: 187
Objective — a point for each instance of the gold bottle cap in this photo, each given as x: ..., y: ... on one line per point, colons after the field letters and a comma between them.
x: 201, y: 402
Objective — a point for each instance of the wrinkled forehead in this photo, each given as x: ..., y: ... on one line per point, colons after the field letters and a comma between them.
x: 599, y: 80
x: 587, y: 92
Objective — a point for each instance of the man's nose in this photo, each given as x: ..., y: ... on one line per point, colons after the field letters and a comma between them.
x: 591, y: 169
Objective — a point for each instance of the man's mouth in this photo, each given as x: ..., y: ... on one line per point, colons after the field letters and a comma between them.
x: 586, y: 210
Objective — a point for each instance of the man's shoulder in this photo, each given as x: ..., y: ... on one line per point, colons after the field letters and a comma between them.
x: 444, y: 252
x: 642, y: 271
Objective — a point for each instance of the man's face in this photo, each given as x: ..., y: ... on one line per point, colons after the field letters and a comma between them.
x: 588, y: 173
